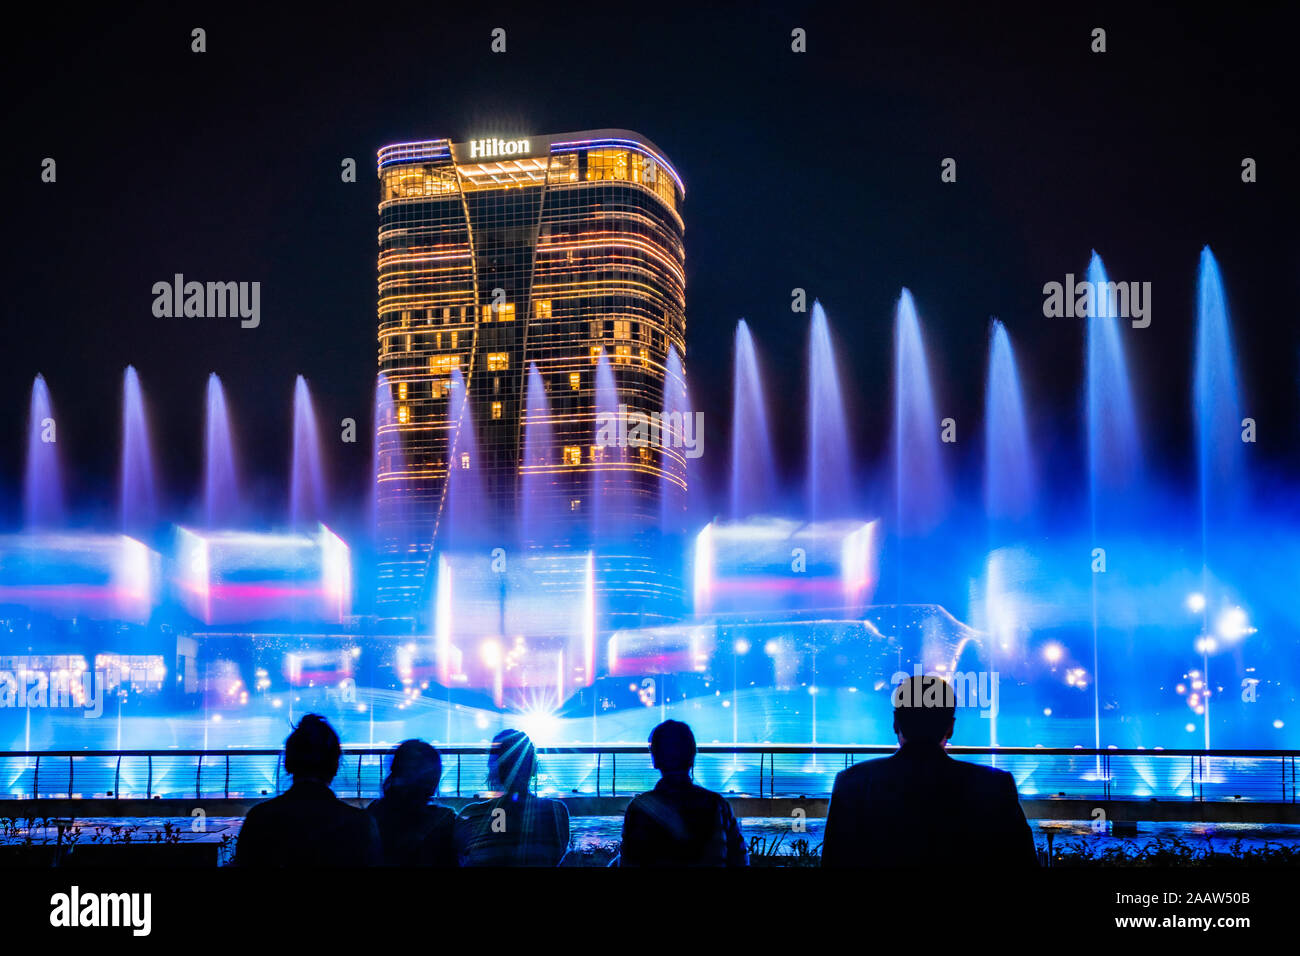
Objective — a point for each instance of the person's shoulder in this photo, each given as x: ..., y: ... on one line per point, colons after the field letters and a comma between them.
x: 477, y: 809
x: 266, y: 808
x: 439, y: 814
x: 991, y: 778
x: 863, y: 771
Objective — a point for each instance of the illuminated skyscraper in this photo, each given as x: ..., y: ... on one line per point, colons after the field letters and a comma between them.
x: 563, y: 252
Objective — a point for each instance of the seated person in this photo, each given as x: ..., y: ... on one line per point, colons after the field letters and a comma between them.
x: 918, y: 806
x: 412, y: 831
x: 308, y: 825
x: 678, y: 823
x: 516, y: 828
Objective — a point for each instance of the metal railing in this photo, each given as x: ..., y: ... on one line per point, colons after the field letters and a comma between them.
x: 762, y: 770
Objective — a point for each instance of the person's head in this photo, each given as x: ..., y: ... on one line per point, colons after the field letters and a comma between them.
x: 672, y: 747
x: 925, y: 709
x: 511, y: 761
x: 312, y: 751
x: 415, y: 771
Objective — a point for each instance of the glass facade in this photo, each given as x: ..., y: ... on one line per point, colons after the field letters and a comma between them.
x: 549, y: 258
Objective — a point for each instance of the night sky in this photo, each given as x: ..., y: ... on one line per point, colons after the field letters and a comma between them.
x: 818, y: 170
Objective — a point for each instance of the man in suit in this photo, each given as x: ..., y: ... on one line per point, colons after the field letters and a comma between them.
x: 920, y: 807
x: 308, y: 825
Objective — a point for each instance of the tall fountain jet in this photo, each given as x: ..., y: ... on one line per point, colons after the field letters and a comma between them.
x: 1114, y: 448
x: 920, y: 487
x: 465, y: 505
x: 1219, y: 448
x: 307, y: 477
x: 137, y: 508
x: 753, y: 471
x: 829, y: 469
x: 220, y: 486
x: 537, y: 472
x: 384, y: 418
x: 611, y: 489
x: 42, y: 481
x: 675, y: 481
x: 1009, y: 474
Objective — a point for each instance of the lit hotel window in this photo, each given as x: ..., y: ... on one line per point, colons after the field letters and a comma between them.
x: 607, y: 164
x: 622, y: 329
x: 403, y: 414
x: 645, y: 357
x: 623, y: 354
x: 464, y: 461
x: 496, y: 409
x: 572, y: 455
x: 542, y: 309
x: 401, y: 391
x: 498, y: 361
x: 444, y: 363
x: 506, y: 313
x: 575, y: 504
x: 575, y: 380
x: 595, y: 354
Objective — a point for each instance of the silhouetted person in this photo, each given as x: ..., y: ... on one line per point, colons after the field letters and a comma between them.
x: 919, y: 807
x: 308, y: 825
x: 412, y: 831
x: 516, y: 828
x: 678, y: 823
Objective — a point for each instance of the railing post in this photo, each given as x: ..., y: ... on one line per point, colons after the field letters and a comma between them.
x: 69, y: 776
x: 227, y: 789
x: 762, y: 758
x: 598, y: 773
x: 198, y: 779
x: 613, y: 770
x: 117, y: 776
x: 359, y: 758
x: 149, y: 788
x: 458, y: 756
x: 277, y: 774
x: 36, y: 776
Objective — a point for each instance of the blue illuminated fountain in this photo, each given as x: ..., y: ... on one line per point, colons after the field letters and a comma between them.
x: 537, y: 492
x: 1114, y: 456
x: 793, y: 628
x: 466, y: 503
x: 220, y: 485
x: 920, y: 488
x: 753, y: 470
x: 1114, y: 447
x: 138, y: 503
x: 674, y: 503
x: 307, y: 479
x: 1219, y: 457
x: 42, y: 482
x: 1009, y: 474
x: 1217, y: 402
x: 611, y: 491
x: 829, y: 467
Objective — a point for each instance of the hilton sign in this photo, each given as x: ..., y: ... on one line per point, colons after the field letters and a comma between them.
x: 493, y: 148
